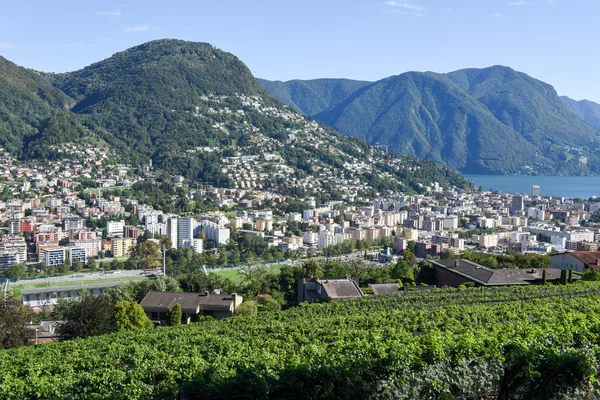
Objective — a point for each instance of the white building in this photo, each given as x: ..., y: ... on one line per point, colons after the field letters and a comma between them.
x: 115, y: 228
x: 185, y: 231
x: 77, y: 253
x: 214, y: 232
x: 11, y: 257
x: 53, y: 256
x: 172, y: 231
x: 196, y: 244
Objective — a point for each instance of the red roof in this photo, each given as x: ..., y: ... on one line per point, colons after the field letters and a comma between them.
x: 589, y: 258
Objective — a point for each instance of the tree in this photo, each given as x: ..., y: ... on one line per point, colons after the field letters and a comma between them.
x: 77, y: 266
x: 92, y: 264
x: 148, y: 253
x: 91, y: 316
x: 311, y: 268
x: 268, y: 302
x: 13, y: 323
x: 544, y: 277
x: 130, y: 316
x: 63, y: 269
x: 174, y: 315
x: 17, y: 271
x: 247, y: 308
x: 570, y: 276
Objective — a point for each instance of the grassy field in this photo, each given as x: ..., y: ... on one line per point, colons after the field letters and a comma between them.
x: 236, y: 276
x: 75, y: 282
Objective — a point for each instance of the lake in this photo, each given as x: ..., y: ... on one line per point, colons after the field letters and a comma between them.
x: 566, y: 186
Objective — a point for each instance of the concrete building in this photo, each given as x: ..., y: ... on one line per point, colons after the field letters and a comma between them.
x: 11, y: 257
x: 53, y: 256
x: 214, y: 232
x: 196, y: 244
x: 115, y: 228
x: 536, y: 190
x: 185, y: 231
x: 172, y: 231
x: 121, y: 247
x: 77, y: 253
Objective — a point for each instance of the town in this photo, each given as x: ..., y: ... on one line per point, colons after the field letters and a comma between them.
x: 66, y: 219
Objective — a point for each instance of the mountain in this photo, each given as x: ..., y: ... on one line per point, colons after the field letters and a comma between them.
x: 585, y: 110
x: 31, y: 109
x: 312, y: 96
x: 197, y: 111
x: 490, y: 121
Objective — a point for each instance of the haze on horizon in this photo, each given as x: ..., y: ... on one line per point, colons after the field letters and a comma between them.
x: 551, y: 40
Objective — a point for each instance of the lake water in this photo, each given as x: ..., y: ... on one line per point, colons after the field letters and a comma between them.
x: 567, y: 186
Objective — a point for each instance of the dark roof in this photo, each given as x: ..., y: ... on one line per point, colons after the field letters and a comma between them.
x: 340, y: 288
x: 381, y: 288
x: 189, y: 302
x: 589, y: 258
x: 498, y: 277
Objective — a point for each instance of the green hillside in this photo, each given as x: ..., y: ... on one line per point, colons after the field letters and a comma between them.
x: 312, y: 96
x: 585, y: 110
x: 537, y: 342
x: 493, y: 120
x: 195, y: 110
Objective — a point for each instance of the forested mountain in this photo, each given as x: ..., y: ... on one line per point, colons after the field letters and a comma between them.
x: 585, y: 110
x: 196, y: 111
x: 492, y: 121
x: 313, y: 96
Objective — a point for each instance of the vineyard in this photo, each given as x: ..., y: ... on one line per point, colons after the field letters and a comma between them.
x: 524, y: 342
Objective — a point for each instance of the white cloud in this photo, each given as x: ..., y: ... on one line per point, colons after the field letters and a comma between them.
x: 530, y: 2
x: 139, y: 28
x: 405, y: 5
x: 499, y: 15
x: 115, y: 13
x: 5, y: 46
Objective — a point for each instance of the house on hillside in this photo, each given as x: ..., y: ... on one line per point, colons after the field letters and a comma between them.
x: 459, y: 272
x: 193, y: 305
x: 326, y: 289
x: 579, y: 261
x: 385, y: 288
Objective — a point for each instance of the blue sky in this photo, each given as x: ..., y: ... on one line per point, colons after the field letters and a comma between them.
x: 552, y: 40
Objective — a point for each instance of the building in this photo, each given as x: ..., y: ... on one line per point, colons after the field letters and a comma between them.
x: 47, y: 298
x: 579, y: 261
x: 459, y: 272
x: 172, y: 231
x: 132, y: 232
x: 536, y: 190
x: 53, y: 256
x: 214, y: 232
x: 121, y: 247
x: 326, y: 289
x: 77, y: 253
x: 8, y: 258
x: 385, y: 288
x: 90, y: 246
x: 185, y: 231
x: 115, y: 228
x: 73, y: 222
x: 517, y: 205
x: 196, y: 244
x: 193, y: 305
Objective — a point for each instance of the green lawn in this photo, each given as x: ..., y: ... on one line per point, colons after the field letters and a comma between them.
x: 236, y: 276
x: 76, y: 282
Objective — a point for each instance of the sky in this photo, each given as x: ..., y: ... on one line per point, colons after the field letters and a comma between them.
x: 552, y: 40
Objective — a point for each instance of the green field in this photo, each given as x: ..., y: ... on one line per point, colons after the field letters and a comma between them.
x: 75, y: 282
x: 236, y: 276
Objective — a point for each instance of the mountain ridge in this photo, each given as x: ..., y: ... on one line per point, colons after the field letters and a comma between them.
x: 415, y: 113
x: 197, y: 111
